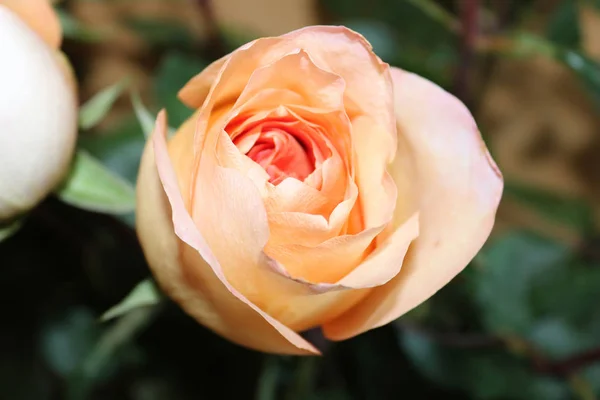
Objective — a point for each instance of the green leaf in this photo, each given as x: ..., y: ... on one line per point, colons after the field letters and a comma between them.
x: 268, y: 381
x: 145, y: 294
x: 96, y: 108
x: 504, y: 283
x: 381, y: 36
x: 118, y: 148
x: 413, y: 34
x: 107, y: 351
x: 65, y: 341
x: 557, y: 338
x: 538, y: 290
x: 174, y: 71
x: 9, y: 229
x: 567, y: 292
x: 563, y: 28
x: 144, y: 116
x: 91, y: 186
x: 481, y: 373
x: 573, y: 212
x: 587, y: 69
x: 74, y: 29
x: 305, y: 375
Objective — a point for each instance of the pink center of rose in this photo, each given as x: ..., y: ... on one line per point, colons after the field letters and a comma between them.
x: 281, y: 155
x: 283, y: 148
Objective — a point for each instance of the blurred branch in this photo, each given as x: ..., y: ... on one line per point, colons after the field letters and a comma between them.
x: 469, y: 16
x: 564, y: 368
x: 567, y: 365
x: 454, y: 339
x: 215, y: 44
x: 437, y: 13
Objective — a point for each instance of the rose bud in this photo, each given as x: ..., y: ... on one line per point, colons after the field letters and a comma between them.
x: 38, y: 108
x: 313, y: 187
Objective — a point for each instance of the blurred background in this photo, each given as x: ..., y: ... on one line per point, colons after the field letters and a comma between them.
x: 522, y: 322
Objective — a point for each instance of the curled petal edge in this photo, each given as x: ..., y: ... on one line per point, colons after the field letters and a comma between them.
x: 186, y: 230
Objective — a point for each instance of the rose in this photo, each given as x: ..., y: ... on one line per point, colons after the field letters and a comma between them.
x: 312, y: 187
x: 38, y: 108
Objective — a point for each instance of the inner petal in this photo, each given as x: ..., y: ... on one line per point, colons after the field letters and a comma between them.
x: 282, y: 144
x: 281, y: 155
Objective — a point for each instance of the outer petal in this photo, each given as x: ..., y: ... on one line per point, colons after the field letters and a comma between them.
x: 349, y: 55
x: 38, y: 116
x: 378, y: 194
x: 230, y: 213
x: 40, y: 17
x: 458, y: 188
x: 201, y: 289
x: 334, y: 49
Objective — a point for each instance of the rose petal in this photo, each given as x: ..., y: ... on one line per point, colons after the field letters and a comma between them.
x: 252, y: 291
x: 308, y: 223
x: 378, y: 193
x: 268, y: 333
x: 349, y: 55
x: 459, y: 188
x: 246, y: 58
x: 39, y: 16
x: 297, y: 73
x: 332, y: 48
x: 183, y: 159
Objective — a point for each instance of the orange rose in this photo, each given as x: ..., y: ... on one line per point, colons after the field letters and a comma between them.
x: 38, y: 107
x: 313, y: 187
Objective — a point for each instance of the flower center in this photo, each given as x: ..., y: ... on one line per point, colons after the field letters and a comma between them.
x: 281, y: 155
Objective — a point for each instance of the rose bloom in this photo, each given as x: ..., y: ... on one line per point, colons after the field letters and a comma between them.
x: 313, y: 187
x: 38, y: 106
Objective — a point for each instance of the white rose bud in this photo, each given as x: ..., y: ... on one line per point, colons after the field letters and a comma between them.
x: 38, y: 106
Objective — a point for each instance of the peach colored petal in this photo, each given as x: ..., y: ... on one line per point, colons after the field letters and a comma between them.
x: 385, y: 262
x: 229, y: 156
x: 267, y: 332
x: 40, y: 17
x: 331, y: 48
x: 348, y: 54
x: 458, y: 187
x: 292, y: 227
x: 319, y: 93
x: 182, y: 157
x: 327, y: 262
x: 252, y: 292
x: 343, y: 261
x: 377, y: 190
x: 310, y: 223
x: 297, y: 73
x: 246, y: 58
